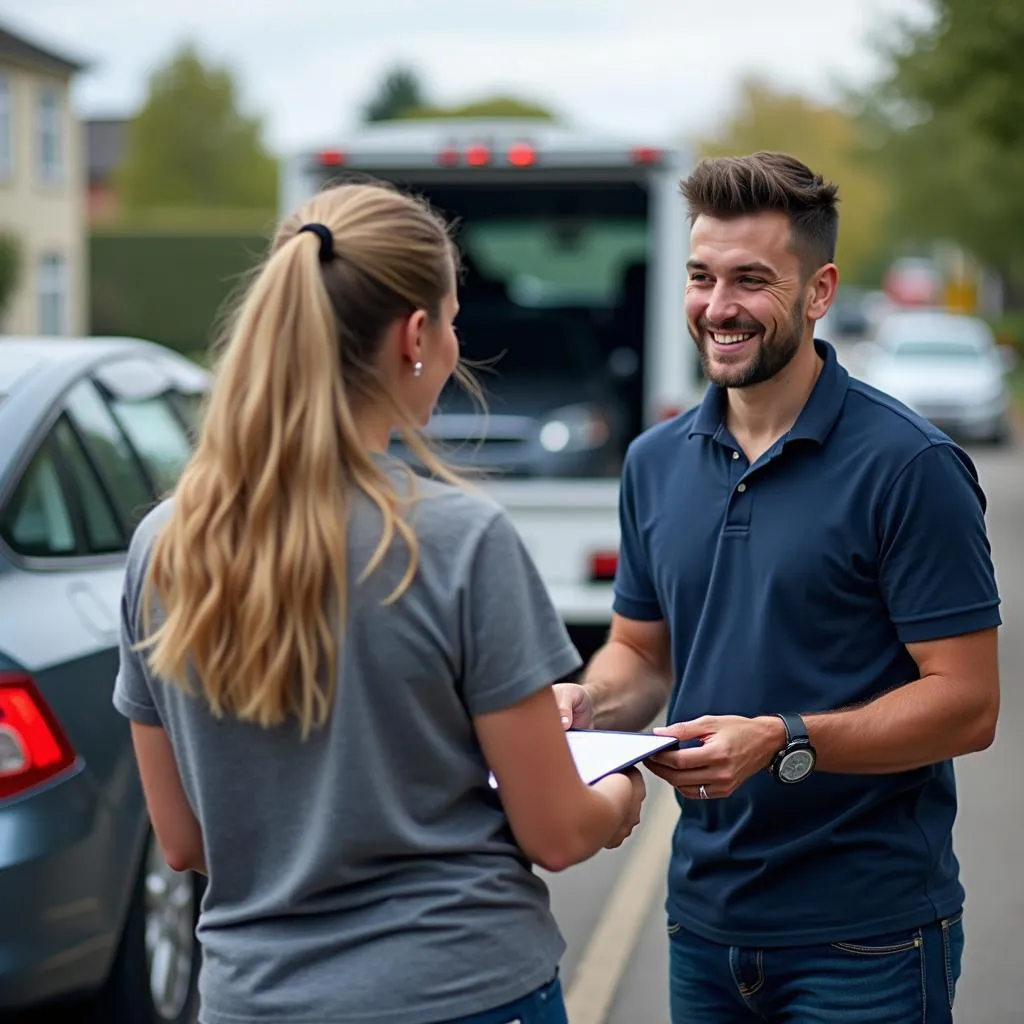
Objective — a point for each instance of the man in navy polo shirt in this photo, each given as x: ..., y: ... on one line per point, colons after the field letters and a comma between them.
x: 805, y: 576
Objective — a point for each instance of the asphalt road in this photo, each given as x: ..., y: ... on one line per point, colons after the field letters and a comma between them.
x: 989, y: 840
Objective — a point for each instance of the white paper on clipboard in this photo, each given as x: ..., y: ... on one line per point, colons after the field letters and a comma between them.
x: 599, y: 752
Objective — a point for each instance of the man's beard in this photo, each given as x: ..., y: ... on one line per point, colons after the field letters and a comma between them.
x: 771, y: 358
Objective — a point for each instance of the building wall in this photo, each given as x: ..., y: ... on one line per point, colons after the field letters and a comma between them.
x: 48, y: 216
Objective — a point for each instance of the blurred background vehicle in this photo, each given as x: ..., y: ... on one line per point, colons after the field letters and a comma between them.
x: 913, y: 281
x: 849, y: 313
x: 948, y: 368
x: 92, y: 434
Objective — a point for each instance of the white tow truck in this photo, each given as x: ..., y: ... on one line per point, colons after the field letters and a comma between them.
x: 577, y: 247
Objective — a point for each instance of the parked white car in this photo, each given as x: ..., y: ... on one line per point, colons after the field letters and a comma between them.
x: 948, y: 368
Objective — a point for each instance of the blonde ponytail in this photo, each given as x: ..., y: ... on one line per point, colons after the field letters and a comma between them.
x: 251, y: 569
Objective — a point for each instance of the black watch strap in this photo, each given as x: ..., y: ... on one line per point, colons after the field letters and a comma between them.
x: 795, y: 728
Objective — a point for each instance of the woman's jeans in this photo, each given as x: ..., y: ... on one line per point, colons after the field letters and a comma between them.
x: 543, y: 1006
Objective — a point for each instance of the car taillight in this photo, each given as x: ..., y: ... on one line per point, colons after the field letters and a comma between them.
x: 603, y: 565
x: 33, y: 747
x: 522, y: 154
x: 646, y: 155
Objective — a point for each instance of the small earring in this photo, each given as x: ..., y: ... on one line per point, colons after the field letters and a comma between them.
x: 417, y: 368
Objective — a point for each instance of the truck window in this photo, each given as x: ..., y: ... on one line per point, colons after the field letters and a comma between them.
x: 551, y: 262
x: 553, y: 321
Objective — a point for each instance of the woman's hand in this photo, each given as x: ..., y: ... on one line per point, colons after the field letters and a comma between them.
x: 628, y: 790
x: 575, y: 707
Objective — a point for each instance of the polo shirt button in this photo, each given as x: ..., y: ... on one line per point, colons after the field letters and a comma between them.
x: 741, y: 488
x: 735, y: 455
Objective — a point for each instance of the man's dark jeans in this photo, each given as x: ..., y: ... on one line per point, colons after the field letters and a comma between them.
x: 907, y: 977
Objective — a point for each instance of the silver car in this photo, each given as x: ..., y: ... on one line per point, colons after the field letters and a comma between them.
x: 92, y: 434
x: 948, y: 368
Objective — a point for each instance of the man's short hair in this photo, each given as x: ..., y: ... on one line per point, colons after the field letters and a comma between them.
x: 738, y: 186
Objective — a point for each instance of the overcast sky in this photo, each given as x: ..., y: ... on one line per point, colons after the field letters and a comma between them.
x: 664, y: 67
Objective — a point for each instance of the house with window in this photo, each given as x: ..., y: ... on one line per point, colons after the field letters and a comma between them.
x: 42, y: 188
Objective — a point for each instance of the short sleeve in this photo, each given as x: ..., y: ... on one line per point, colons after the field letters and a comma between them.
x: 132, y: 694
x: 634, y: 593
x: 936, y: 570
x: 514, y: 640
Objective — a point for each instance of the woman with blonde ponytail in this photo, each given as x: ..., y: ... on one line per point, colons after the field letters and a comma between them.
x: 324, y: 656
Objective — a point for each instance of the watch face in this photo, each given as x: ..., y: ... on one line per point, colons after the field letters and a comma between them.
x: 796, y: 766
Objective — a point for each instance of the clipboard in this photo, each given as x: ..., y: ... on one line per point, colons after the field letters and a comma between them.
x: 602, y: 752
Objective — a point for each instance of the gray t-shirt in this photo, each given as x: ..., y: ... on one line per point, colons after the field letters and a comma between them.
x: 369, y: 875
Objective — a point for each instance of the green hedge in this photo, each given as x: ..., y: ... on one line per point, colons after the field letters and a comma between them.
x: 166, y: 287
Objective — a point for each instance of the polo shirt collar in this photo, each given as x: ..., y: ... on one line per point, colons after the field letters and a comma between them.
x: 817, y: 417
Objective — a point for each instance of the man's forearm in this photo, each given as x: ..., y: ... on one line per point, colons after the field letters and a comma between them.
x: 626, y: 691
x: 922, y: 723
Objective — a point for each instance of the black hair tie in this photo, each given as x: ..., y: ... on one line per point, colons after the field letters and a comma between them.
x: 323, y: 232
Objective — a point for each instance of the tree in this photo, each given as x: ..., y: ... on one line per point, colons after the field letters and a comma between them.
x: 950, y: 116
x: 831, y: 142
x: 493, y: 106
x: 401, y: 96
x: 190, y: 145
x: 10, y: 269
x: 399, y: 91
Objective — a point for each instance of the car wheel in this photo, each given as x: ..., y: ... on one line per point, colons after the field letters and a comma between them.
x: 156, y: 971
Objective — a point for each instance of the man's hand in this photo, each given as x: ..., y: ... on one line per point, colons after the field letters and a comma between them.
x: 731, y: 750
x: 574, y: 706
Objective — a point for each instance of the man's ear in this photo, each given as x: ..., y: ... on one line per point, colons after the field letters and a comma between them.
x: 822, y: 290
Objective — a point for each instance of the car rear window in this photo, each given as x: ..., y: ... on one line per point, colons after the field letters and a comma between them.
x: 37, y: 522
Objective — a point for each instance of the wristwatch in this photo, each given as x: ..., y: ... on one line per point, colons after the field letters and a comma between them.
x: 795, y: 761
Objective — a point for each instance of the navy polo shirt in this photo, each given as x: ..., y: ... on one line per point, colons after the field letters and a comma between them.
x: 793, y: 584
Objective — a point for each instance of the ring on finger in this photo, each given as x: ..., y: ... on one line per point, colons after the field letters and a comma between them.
x: 703, y: 791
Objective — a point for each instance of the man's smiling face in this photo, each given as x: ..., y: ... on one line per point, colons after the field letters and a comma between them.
x: 744, y: 297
